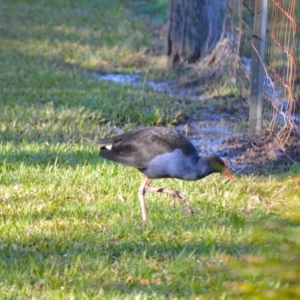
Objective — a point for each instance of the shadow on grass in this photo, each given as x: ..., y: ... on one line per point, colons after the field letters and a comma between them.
x: 139, y: 262
x: 64, y: 156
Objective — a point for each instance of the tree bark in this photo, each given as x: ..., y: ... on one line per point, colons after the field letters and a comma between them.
x: 194, y: 29
x: 177, y: 19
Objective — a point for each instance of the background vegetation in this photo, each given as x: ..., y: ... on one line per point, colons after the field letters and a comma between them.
x: 70, y: 224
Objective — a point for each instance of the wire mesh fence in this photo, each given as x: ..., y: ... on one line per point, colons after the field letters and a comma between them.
x: 282, y: 60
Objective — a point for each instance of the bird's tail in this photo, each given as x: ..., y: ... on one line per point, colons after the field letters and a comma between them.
x: 106, y: 141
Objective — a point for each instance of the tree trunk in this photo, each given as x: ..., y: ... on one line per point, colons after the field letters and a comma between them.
x: 194, y: 29
x: 176, y: 31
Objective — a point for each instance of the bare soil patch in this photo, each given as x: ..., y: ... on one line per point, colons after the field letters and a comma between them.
x: 263, y: 153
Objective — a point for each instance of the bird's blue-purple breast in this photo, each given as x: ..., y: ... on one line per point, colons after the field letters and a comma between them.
x: 173, y: 164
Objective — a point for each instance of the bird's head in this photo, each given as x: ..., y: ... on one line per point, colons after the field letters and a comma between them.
x: 215, y: 164
x: 218, y: 165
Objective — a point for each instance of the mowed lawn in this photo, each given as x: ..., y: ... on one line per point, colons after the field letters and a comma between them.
x: 70, y: 224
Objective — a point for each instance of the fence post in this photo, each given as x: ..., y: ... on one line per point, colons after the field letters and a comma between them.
x: 257, y: 68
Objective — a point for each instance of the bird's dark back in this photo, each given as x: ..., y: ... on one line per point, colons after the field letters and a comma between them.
x: 143, y: 144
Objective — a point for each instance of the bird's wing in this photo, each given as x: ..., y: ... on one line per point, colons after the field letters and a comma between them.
x: 137, y: 147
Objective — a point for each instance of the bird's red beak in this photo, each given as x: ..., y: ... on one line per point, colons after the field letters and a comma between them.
x: 227, y: 173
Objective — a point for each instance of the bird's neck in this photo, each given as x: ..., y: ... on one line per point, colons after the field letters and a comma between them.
x: 203, y: 167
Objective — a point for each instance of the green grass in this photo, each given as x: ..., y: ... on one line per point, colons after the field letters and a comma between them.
x: 70, y: 225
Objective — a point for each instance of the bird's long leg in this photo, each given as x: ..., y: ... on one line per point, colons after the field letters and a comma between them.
x: 174, y: 193
x: 142, y: 190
